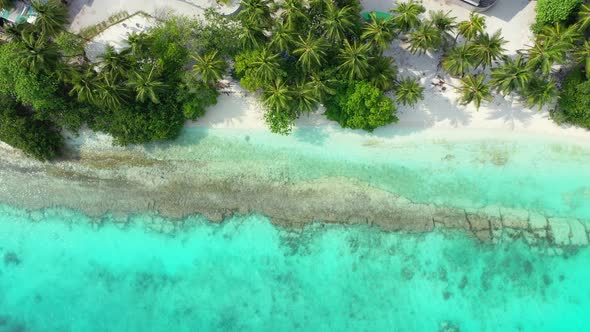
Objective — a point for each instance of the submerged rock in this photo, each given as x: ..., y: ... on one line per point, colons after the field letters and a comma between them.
x: 560, y: 231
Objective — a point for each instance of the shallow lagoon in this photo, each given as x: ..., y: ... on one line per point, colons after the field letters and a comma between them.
x: 60, y: 274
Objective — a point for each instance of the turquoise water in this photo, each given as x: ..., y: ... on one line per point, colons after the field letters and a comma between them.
x: 59, y: 274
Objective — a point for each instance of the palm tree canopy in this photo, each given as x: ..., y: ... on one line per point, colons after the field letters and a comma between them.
x: 354, y: 60
x: 338, y: 22
x: 209, y: 67
x: 409, y: 92
x: 378, y: 32
x: 407, y: 15
x: 84, y: 86
x: 487, y: 49
x: 474, y: 89
x: 559, y: 33
x: 512, y: 75
x: 37, y: 54
x: 114, y: 62
x: 304, y: 97
x: 383, y: 73
x: 584, y: 17
x: 425, y: 38
x: 544, y: 54
x: 541, y: 92
x: 582, y: 55
x: 311, y: 52
x: 52, y: 16
x: 458, y: 60
x: 293, y: 14
x: 107, y: 92
x: 444, y: 23
x: 266, y: 66
x: 277, y: 95
x: 283, y: 38
x: 250, y: 37
x: 146, y: 85
x: 473, y: 27
x: 255, y: 13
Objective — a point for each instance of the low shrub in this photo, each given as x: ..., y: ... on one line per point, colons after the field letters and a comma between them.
x: 550, y: 12
x: 574, y: 101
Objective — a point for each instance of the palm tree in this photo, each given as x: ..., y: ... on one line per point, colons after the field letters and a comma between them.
x: 209, y: 67
x: 293, y: 14
x: 52, y: 16
x: 407, y: 15
x: 383, y: 73
x: 282, y: 38
x: 378, y: 32
x: 311, y: 52
x: 322, y: 87
x: 107, y: 92
x: 445, y: 25
x: 584, y: 17
x: 5, y: 4
x: 37, y: 54
x: 487, y: 49
x: 139, y: 43
x: 409, y: 91
x: 474, y: 89
x: 354, y: 60
x: 511, y: 76
x: 250, y: 37
x: 115, y: 63
x: 255, y: 13
x: 473, y: 27
x: 338, y: 22
x: 426, y: 37
x: 146, y: 85
x: 304, y: 97
x: 541, y: 92
x: 84, y: 86
x: 266, y: 66
x: 544, y: 54
x: 458, y: 60
x: 15, y: 32
x: 559, y: 34
x: 582, y: 55
x: 277, y: 95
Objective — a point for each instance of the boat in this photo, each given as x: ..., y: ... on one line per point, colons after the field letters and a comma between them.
x: 477, y: 5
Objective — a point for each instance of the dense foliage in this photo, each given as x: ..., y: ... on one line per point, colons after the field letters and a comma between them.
x: 361, y: 106
x: 574, y: 103
x: 550, y: 12
x: 36, y: 138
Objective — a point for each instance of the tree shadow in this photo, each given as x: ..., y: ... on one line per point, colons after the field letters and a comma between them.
x: 506, y: 10
x: 312, y: 135
x: 76, y: 6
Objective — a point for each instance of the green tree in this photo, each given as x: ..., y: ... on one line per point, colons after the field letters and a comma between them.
x: 5, y: 4
x: 409, y: 91
x: 255, y: 13
x: 378, y: 32
x: 584, y: 17
x: 574, y: 100
x: 582, y: 55
x: 406, y: 15
x: 108, y: 92
x: 209, y: 67
x: 550, y: 12
x: 293, y: 14
x: 146, y: 86
x: 52, y: 16
x: 445, y: 25
x: 354, y: 60
x: 311, y: 52
x: 250, y: 37
x: 277, y: 95
x: 424, y: 38
x: 459, y: 60
x: 283, y: 38
x: 487, y: 49
x: 541, y: 92
x: 473, y: 27
x: 338, y: 22
x: 304, y: 97
x: 70, y: 44
x: 544, y: 54
x: 115, y: 63
x: 84, y: 86
x: 511, y: 76
x: 474, y: 89
x: 266, y: 66
x: 559, y: 34
x: 361, y: 106
x: 322, y: 88
x: 140, y: 44
x: 383, y: 73
x: 37, y: 54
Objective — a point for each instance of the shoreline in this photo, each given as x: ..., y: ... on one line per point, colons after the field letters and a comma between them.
x: 124, y: 183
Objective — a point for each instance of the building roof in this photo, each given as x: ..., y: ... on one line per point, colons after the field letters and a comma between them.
x: 19, y: 12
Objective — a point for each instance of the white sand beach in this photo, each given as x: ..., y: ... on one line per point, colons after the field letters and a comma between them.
x: 440, y: 108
